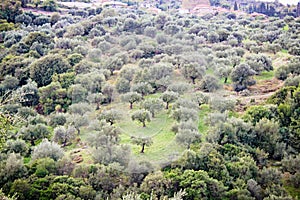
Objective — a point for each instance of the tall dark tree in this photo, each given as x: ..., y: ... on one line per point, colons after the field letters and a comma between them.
x: 9, y: 9
x: 235, y: 6
x: 41, y: 71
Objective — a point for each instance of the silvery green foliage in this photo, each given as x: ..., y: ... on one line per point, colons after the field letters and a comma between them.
x: 63, y: 135
x: 47, y: 149
x: 187, y: 136
x: 142, y: 116
x: 17, y: 146
x: 180, y: 87
x: 132, y: 196
x: 216, y: 117
x: 13, y: 37
x: 14, y: 167
x: 153, y: 105
x: 142, y: 88
x: 209, y: 83
x: 131, y: 97
x: 178, y: 195
x: 222, y: 104
x: 79, y: 108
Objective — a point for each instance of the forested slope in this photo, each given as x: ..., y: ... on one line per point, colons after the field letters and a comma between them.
x: 123, y: 104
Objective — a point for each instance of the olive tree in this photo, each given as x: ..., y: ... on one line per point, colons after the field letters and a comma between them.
x: 103, y: 134
x: 142, y: 116
x: 131, y: 97
x: 159, y: 75
x: 142, y: 88
x: 32, y: 133
x: 240, y: 75
x: 209, y: 83
x: 110, y: 116
x: 47, y: 149
x: 187, y: 136
x: 63, y: 135
x: 259, y: 63
x: 96, y: 98
x: 193, y: 71
x: 153, y: 105
x: 142, y: 142
x: 12, y: 168
x: 122, y: 85
x: 169, y: 97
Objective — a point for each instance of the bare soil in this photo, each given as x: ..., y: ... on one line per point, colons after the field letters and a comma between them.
x: 259, y: 93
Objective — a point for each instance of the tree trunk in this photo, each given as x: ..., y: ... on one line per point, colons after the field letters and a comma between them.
x: 98, y: 106
x: 32, y: 142
x: 226, y: 78
x: 78, y: 130
x: 64, y: 143
x: 167, y: 106
x: 193, y: 80
x: 143, y: 148
x: 144, y: 123
x: 130, y: 106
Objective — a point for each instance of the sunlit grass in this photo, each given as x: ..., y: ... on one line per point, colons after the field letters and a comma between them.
x: 294, y: 192
x: 265, y: 75
x: 164, y: 146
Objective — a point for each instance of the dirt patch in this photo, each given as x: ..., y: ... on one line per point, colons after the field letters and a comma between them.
x: 266, y: 87
x: 77, y: 159
x: 259, y: 93
x: 36, y: 11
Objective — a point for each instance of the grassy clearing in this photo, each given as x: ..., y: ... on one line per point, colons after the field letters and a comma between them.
x: 265, y: 75
x: 87, y: 156
x: 229, y: 81
x: 294, y: 192
x: 164, y: 146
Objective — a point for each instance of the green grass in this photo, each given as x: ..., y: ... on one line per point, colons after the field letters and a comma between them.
x: 294, y: 192
x: 286, y: 27
x: 87, y: 156
x: 229, y: 81
x: 27, y: 160
x: 265, y: 75
x: 164, y: 146
x: 134, y: 128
